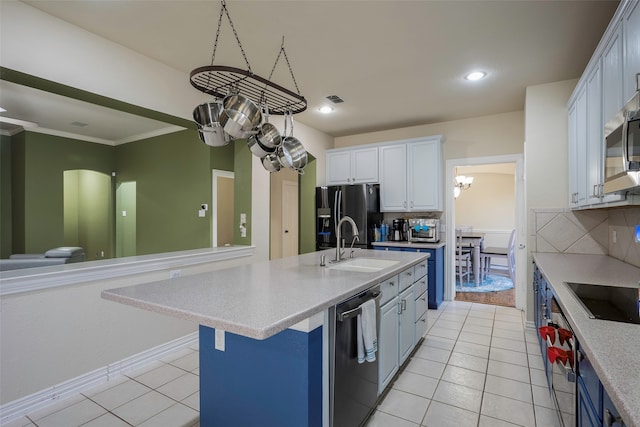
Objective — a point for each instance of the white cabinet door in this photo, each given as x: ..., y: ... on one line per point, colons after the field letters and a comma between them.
x: 423, y: 176
x: 388, y: 343
x: 573, y: 156
x: 338, y: 167
x: 393, y: 178
x: 581, y: 140
x: 364, y: 165
x: 407, y: 323
x: 595, y: 136
x: 631, y: 28
x: 612, y: 99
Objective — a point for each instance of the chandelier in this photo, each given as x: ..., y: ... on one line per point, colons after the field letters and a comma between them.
x: 462, y: 183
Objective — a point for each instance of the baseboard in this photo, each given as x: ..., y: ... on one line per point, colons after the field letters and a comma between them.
x: 74, y: 386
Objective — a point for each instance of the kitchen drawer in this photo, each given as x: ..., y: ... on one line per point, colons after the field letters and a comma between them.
x: 421, y: 327
x: 421, y: 285
x: 420, y: 270
x: 389, y: 289
x: 406, y: 278
x: 421, y: 305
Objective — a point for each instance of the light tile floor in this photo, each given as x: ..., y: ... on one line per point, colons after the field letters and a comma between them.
x: 477, y: 366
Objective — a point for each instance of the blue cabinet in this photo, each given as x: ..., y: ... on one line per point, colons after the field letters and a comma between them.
x: 435, y: 271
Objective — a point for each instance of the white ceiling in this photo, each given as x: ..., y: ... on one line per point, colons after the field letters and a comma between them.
x: 395, y: 63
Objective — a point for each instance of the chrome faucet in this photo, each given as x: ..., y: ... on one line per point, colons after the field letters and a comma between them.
x: 354, y: 231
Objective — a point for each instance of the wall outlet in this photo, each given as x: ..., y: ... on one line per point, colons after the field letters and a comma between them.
x: 614, y: 237
x: 175, y: 273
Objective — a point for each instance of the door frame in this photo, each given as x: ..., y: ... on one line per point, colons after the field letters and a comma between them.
x: 520, y: 222
x: 215, y: 174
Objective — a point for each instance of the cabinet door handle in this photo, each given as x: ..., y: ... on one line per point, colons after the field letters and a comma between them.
x: 392, y: 284
x: 399, y: 307
x: 404, y: 304
x: 595, y: 190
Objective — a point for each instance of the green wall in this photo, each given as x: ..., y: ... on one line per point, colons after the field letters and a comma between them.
x: 173, y: 178
x: 38, y: 165
x: 5, y: 196
x: 307, y: 200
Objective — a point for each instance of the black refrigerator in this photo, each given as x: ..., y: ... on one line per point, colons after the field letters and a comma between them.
x: 361, y: 202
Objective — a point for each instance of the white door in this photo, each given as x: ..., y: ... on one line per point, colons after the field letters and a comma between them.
x: 289, y: 218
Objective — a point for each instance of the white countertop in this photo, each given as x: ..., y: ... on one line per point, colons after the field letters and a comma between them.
x: 261, y: 299
x: 415, y: 245
x: 612, y: 347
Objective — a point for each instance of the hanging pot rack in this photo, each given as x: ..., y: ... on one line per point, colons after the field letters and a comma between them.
x: 221, y: 80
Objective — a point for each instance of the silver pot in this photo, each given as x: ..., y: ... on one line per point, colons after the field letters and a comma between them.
x: 256, y: 148
x: 210, y: 131
x: 239, y: 116
x: 271, y: 162
x: 269, y: 136
x: 292, y: 154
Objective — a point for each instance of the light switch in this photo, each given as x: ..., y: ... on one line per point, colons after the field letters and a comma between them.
x: 243, y: 218
x: 124, y: 213
x: 202, y: 213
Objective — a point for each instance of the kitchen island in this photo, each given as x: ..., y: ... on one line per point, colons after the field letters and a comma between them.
x: 613, y: 348
x: 263, y: 332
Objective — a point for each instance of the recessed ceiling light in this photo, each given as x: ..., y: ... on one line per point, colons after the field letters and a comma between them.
x: 475, y: 75
x: 325, y: 109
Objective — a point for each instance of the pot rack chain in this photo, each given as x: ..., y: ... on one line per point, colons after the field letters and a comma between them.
x: 220, y: 80
x: 225, y: 11
x: 282, y: 51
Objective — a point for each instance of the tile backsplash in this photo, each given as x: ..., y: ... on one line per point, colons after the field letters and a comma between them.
x: 598, y: 231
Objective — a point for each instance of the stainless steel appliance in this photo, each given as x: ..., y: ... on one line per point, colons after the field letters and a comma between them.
x: 360, y: 202
x: 425, y: 230
x: 559, y: 352
x: 353, y: 387
x: 399, y: 230
x: 622, y: 149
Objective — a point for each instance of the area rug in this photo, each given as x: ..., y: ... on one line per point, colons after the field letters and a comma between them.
x: 491, y: 283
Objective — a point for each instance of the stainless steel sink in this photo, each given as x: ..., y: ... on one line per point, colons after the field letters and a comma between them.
x: 619, y: 304
x: 363, y: 265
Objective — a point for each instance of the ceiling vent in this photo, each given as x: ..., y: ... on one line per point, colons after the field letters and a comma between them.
x: 335, y: 99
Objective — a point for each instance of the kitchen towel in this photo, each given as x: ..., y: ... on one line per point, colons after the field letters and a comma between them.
x: 366, y: 332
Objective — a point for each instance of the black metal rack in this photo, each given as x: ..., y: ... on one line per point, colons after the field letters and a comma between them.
x: 220, y: 80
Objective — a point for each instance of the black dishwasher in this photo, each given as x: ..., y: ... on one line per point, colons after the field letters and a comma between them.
x: 353, y: 386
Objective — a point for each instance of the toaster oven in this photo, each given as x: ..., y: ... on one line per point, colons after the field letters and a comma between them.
x: 425, y: 230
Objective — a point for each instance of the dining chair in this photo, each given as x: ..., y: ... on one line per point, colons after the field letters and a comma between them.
x: 490, y: 254
x: 463, y: 259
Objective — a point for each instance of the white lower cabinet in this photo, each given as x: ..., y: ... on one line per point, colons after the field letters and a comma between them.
x: 403, y: 320
x: 388, y: 343
x: 407, y: 322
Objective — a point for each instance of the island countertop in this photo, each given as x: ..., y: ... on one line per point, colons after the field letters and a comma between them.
x: 261, y: 299
x: 612, y: 347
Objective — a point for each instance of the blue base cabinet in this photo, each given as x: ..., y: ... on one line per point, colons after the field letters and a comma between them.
x: 271, y: 382
x: 435, y: 271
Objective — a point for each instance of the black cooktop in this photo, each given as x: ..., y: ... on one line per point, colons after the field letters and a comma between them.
x: 618, y: 304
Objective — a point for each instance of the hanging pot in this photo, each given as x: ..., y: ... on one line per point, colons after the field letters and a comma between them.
x: 271, y: 162
x: 292, y: 154
x: 239, y: 116
x: 268, y: 134
x: 210, y: 131
x: 256, y: 148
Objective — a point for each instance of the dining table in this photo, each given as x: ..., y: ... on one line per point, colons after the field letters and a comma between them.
x: 474, y: 241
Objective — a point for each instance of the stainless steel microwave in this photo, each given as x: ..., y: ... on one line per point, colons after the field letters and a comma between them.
x: 622, y: 149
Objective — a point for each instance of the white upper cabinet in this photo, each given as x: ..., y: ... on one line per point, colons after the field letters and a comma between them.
x: 410, y: 176
x: 631, y: 60
x: 607, y: 83
x: 353, y: 166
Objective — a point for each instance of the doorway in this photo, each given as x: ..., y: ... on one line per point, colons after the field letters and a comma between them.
x: 126, y: 219
x: 284, y: 214
x: 516, y: 219
x: 88, y: 212
x: 222, y: 208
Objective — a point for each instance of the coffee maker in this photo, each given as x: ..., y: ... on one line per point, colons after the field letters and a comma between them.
x: 399, y: 230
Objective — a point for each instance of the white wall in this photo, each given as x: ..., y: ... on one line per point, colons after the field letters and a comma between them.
x: 546, y: 155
